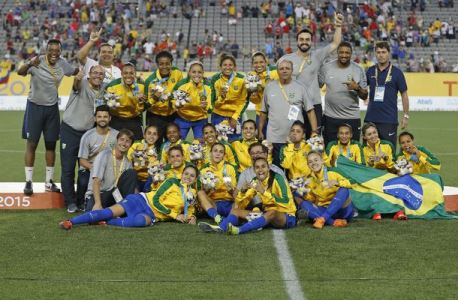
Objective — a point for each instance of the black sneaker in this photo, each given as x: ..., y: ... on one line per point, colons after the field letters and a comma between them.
x: 51, y: 187
x: 28, y: 189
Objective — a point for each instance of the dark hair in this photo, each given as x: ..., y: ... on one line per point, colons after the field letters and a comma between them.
x: 367, y: 126
x: 271, y: 173
x: 250, y: 121
x: 345, y: 44
x: 305, y: 30
x: 176, y: 147
x: 105, y: 45
x: 258, y: 144
x: 382, y: 45
x: 405, y: 133
x: 149, y: 126
x: 128, y: 64
x: 300, y: 124
x: 258, y: 53
x: 102, y: 107
x: 54, y: 42
x: 128, y: 133
x: 218, y: 144
x: 192, y: 167
x: 208, y: 125
x: 165, y: 54
x: 225, y: 56
x: 345, y: 125
x: 171, y: 124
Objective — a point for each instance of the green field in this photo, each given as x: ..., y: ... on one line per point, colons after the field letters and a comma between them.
x: 367, y: 260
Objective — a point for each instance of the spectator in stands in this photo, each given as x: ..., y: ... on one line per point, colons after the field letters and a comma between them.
x: 345, y: 84
x: 42, y: 111
x: 77, y: 119
x: 306, y: 64
x: 385, y: 81
x: 283, y: 103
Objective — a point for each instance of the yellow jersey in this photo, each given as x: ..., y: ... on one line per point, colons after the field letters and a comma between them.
x: 129, y: 106
x: 422, y: 164
x: 294, y: 161
x: 152, y: 158
x: 241, y: 150
x: 164, y: 156
x: 266, y: 76
x: 158, y: 107
x: 230, y: 156
x: 221, y: 170
x: 381, y: 146
x: 193, y: 111
x: 235, y: 102
x: 320, y: 194
x: 352, y: 151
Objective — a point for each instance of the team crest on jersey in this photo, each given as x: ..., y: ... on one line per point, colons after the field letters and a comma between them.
x: 236, y: 87
x: 172, y: 80
x: 291, y: 95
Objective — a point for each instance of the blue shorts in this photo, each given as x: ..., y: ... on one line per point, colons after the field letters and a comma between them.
x: 216, y: 119
x: 224, y: 207
x: 135, y: 204
x: 290, y: 221
x: 38, y: 119
x: 186, y: 125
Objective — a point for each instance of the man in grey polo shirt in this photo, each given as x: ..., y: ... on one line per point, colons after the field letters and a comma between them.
x: 112, y: 176
x: 42, y: 110
x: 307, y: 63
x: 345, y: 83
x: 93, y: 142
x: 283, y: 103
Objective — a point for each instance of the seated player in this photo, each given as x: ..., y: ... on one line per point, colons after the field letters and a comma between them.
x: 422, y: 160
x: 172, y: 134
x: 328, y: 201
x: 217, y: 200
x: 277, y: 204
x: 344, y: 146
x: 194, y: 114
x: 143, y: 154
x: 377, y: 153
x: 241, y: 146
x: 174, y: 200
x: 112, y: 177
x: 293, y: 154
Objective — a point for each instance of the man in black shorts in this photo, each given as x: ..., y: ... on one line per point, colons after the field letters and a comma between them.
x: 42, y: 110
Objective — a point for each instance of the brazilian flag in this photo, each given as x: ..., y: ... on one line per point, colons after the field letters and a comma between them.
x: 373, y: 190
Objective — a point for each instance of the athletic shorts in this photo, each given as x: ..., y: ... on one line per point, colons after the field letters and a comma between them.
x: 38, y: 119
x: 290, y: 221
x: 135, y: 204
x: 224, y: 207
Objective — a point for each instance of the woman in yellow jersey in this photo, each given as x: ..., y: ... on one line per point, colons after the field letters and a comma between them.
x: 172, y: 133
x: 378, y: 154
x: 159, y: 87
x: 293, y: 155
x: 194, y: 114
x: 278, y: 205
x: 174, y: 200
x: 230, y: 95
x: 265, y: 73
x: 328, y: 202
x: 210, y: 137
x: 128, y: 112
x: 144, y: 154
x: 422, y: 160
x: 216, y: 197
x: 241, y: 146
x: 344, y: 146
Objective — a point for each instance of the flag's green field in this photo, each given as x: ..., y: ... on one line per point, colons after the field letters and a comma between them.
x: 385, y: 260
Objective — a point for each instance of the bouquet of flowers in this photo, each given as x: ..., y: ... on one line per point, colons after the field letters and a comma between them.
x: 252, y: 83
x: 156, y: 172
x: 151, y: 151
x: 112, y: 100
x: 300, y: 185
x: 403, y: 167
x: 317, y: 143
x: 156, y: 89
x: 140, y: 159
x: 224, y: 129
x: 196, y: 151
x: 208, y: 180
x: 181, y: 98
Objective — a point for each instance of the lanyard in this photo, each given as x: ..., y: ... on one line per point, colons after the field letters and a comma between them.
x: 53, y: 72
x: 268, y: 74
x: 388, y: 76
x: 348, y: 150
x: 304, y: 60
x: 326, y: 177
x: 186, y: 203
x: 117, y: 172
x: 224, y: 170
x: 283, y: 92
x: 229, y: 82
x: 161, y: 80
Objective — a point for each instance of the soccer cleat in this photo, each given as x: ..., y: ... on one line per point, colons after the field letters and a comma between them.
x: 377, y: 217
x: 340, y: 223
x: 319, y: 223
x: 72, y: 208
x: 67, y: 225
x: 208, y: 228
x: 232, y: 229
x: 218, y: 219
x: 302, y: 214
x: 400, y: 215
x: 28, y: 189
x: 51, y: 187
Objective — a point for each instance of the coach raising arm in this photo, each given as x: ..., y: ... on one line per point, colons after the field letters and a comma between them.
x: 42, y: 110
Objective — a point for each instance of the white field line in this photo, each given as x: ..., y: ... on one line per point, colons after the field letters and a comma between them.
x: 292, y: 283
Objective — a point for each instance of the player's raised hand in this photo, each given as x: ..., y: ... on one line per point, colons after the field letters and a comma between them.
x: 95, y: 35
x: 338, y: 19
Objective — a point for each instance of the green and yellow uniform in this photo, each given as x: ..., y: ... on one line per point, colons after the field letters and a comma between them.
x: 351, y: 151
x: 193, y: 111
x: 241, y: 150
x: 235, y: 102
x: 129, y: 106
x: 322, y: 195
x: 158, y: 107
x: 150, y: 150
x: 294, y: 161
x: 221, y: 170
x: 381, y: 146
x: 266, y: 76
x: 164, y: 156
x: 422, y: 164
